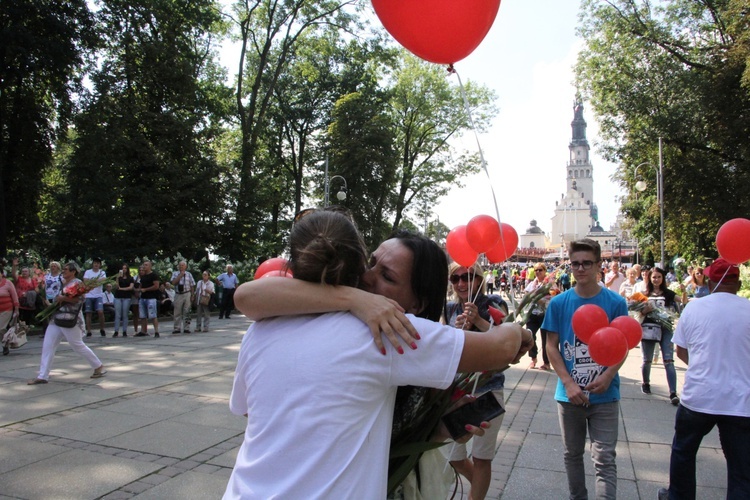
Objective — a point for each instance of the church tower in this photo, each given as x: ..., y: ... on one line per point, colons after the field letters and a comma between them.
x: 576, y: 212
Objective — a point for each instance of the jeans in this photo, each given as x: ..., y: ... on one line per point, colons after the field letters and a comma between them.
x: 122, y: 306
x: 227, y: 303
x: 602, y: 422
x: 667, y: 354
x: 534, y: 323
x: 689, y: 428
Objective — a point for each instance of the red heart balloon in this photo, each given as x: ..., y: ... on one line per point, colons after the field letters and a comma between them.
x: 505, y: 247
x: 275, y: 264
x: 608, y: 346
x: 496, y: 314
x: 439, y: 31
x: 459, y: 249
x: 482, y: 233
x: 630, y: 328
x: 587, y: 319
x: 733, y: 241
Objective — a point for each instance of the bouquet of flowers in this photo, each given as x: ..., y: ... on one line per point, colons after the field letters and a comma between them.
x: 77, y: 289
x: 659, y: 315
x: 410, y: 440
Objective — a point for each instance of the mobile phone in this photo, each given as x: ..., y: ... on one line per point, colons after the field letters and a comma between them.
x: 483, y: 409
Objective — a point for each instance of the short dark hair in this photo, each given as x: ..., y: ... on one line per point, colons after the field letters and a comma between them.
x: 72, y: 267
x: 586, y: 245
x: 429, y: 273
x: 327, y: 248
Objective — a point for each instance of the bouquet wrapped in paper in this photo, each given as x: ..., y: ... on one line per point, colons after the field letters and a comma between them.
x: 639, y: 302
x: 76, y: 289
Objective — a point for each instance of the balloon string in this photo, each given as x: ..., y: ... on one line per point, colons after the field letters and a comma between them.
x: 451, y: 69
x: 722, y: 279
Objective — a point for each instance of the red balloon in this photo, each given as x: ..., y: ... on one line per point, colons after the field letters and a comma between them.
x: 630, y: 328
x: 278, y: 273
x: 608, y: 346
x: 275, y: 264
x: 733, y: 241
x: 439, y: 31
x: 482, y: 233
x: 506, y: 245
x: 587, y: 319
x: 459, y: 249
x: 496, y: 314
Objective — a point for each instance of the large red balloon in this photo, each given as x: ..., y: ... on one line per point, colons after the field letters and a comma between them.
x: 608, y: 346
x: 630, y: 328
x: 506, y: 245
x: 279, y: 273
x: 587, y: 319
x: 733, y: 241
x: 439, y: 31
x: 482, y: 233
x: 459, y: 249
x: 275, y: 264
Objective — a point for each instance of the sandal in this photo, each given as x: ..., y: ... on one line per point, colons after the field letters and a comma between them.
x: 99, y: 373
x: 36, y: 381
x: 532, y: 365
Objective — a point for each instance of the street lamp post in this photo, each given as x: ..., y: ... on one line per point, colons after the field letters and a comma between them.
x: 341, y: 195
x: 641, y: 186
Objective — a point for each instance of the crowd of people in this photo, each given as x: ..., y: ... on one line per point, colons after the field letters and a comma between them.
x: 397, y: 298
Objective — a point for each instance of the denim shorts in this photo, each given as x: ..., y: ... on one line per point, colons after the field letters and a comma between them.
x: 94, y: 304
x: 147, y: 308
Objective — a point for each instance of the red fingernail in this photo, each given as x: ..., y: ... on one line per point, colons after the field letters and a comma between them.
x: 400, y: 350
x: 469, y: 427
x: 416, y: 336
x: 382, y: 351
x: 413, y: 345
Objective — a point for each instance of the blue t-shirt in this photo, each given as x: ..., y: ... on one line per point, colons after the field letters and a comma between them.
x: 575, y: 353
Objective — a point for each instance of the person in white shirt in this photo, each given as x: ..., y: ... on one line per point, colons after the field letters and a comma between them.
x: 328, y: 437
x: 94, y: 298
x: 614, y: 278
x: 108, y: 302
x: 184, y: 285
x: 204, y: 294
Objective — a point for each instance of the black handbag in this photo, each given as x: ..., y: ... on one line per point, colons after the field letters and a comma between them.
x: 67, y: 315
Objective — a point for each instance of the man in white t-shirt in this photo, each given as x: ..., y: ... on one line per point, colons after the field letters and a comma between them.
x: 95, y: 298
x: 184, y: 293
x: 713, y: 339
x: 614, y: 278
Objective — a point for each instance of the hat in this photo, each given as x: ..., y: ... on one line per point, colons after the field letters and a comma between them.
x: 721, y: 269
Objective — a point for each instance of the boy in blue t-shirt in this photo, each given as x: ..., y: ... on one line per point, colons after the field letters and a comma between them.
x: 588, y: 394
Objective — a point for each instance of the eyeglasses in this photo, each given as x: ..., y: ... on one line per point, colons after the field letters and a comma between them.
x: 455, y: 278
x: 585, y: 265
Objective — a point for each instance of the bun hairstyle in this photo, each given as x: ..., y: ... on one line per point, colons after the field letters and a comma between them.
x: 327, y: 248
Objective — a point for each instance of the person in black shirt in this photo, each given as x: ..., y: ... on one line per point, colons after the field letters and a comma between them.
x: 148, y: 303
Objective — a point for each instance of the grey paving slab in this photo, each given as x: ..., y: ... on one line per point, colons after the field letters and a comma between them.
x: 17, y: 453
x: 173, y: 439
x: 217, y: 387
x: 226, y: 459
x: 161, y: 406
x: 91, y: 426
x: 75, y: 475
x: 215, y: 414
x: 193, y: 485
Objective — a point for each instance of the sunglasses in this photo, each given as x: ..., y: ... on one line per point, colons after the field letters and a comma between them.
x: 455, y: 278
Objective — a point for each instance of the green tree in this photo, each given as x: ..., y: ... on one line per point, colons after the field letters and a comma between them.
x: 44, y: 49
x: 673, y: 70
x: 142, y: 175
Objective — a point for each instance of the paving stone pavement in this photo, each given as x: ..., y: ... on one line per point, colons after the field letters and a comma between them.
x: 157, y: 426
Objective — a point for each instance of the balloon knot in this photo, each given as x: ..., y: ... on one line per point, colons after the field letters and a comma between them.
x: 450, y: 69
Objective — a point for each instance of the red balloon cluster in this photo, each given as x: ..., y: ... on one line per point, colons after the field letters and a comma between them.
x: 733, y: 241
x: 484, y: 235
x: 439, y: 31
x: 276, y: 267
x: 608, y: 342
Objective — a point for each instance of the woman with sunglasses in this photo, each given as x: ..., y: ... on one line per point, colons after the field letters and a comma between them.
x: 470, y: 311
x: 697, y: 285
x: 659, y: 296
x: 407, y: 273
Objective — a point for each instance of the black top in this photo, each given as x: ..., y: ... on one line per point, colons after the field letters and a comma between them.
x: 124, y: 282
x: 148, y: 281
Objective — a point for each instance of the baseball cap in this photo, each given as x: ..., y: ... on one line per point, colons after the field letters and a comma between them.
x: 721, y: 269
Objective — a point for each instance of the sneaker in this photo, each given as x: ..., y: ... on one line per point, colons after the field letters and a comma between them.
x: 662, y: 494
x: 674, y: 399
x: 124, y: 334
x: 205, y: 330
x: 102, y: 333
x: 88, y: 334
x: 156, y: 335
x: 646, y: 388
x: 228, y: 317
x: 175, y: 332
x: 187, y: 331
x: 116, y: 334
x: 141, y: 334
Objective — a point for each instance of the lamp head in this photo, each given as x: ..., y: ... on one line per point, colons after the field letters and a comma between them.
x: 641, y: 186
x: 341, y: 195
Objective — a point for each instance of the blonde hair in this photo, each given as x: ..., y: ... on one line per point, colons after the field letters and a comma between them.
x: 478, y: 271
